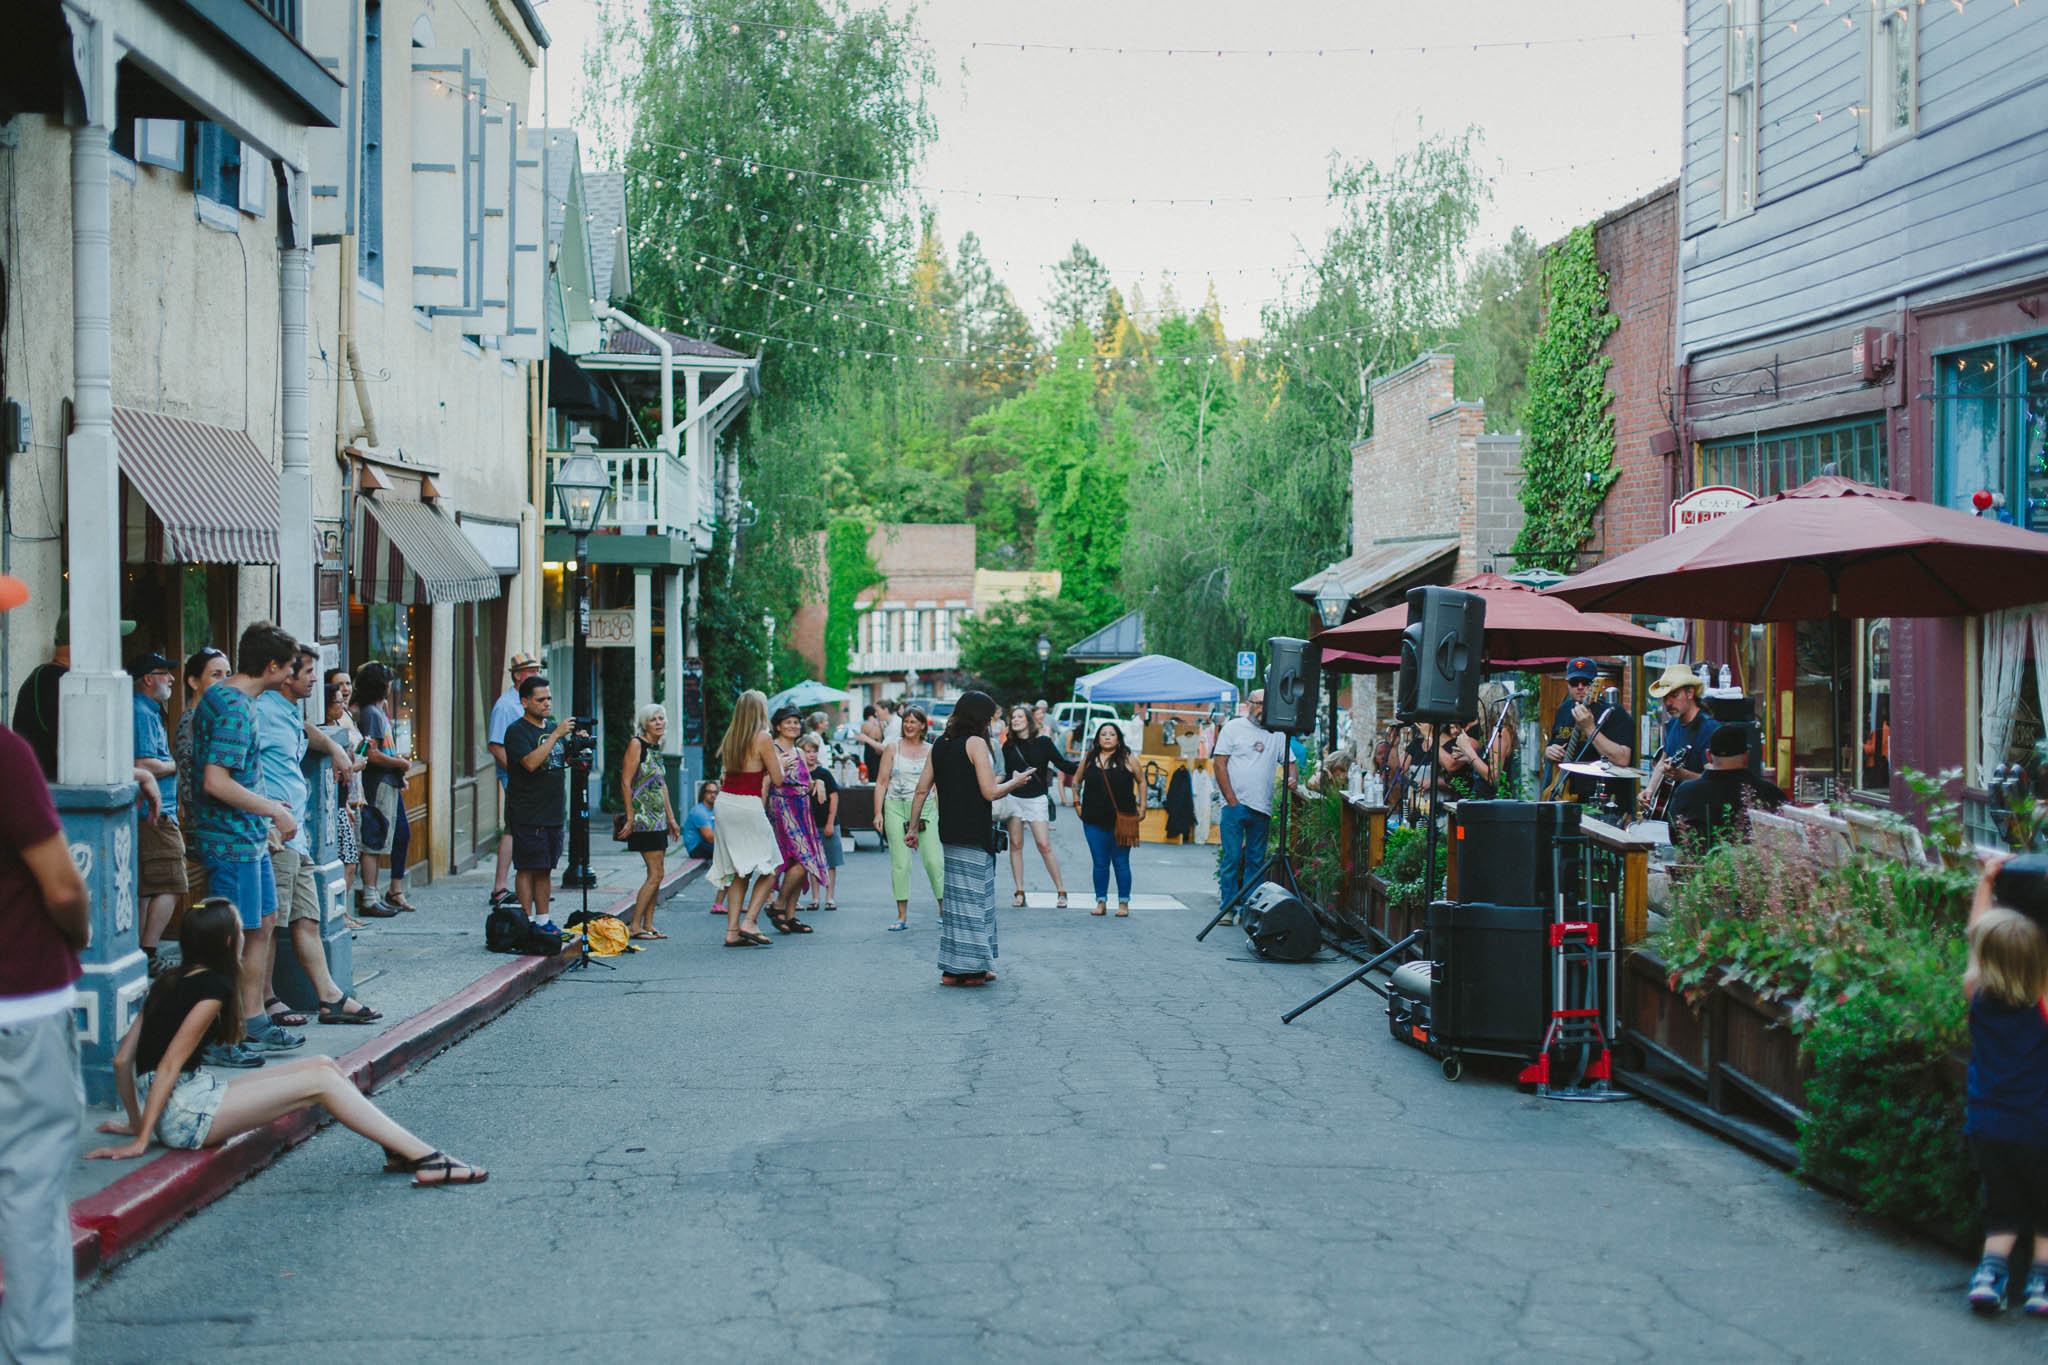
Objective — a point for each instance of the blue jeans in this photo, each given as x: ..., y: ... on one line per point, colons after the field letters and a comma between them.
x: 1244, y: 849
x: 1107, y: 853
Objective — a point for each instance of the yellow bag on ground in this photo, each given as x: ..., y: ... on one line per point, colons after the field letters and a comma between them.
x: 606, y: 934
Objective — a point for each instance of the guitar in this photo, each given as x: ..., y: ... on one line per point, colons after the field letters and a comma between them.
x: 1655, y: 801
x: 1561, y: 737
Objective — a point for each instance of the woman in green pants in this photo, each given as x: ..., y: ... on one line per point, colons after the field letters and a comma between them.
x: 902, y: 763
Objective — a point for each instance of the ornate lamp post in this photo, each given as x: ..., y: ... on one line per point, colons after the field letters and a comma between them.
x: 582, y: 488
x: 1044, y: 653
x: 1332, y: 601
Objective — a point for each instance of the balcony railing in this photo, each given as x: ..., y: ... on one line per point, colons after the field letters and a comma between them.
x: 651, y: 491
x: 283, y: 13
x: 904, y: 660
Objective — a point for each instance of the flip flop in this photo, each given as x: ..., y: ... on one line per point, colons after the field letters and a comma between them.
x: 1124, y: 912
x: 1017, y: 901
x: 1099, y: 910
x: 743, y: 941
x: 758, y: 940
x: 898, y: 927
x: 1061, y: 903
x: 646, y: 934
x: 288, y: 1017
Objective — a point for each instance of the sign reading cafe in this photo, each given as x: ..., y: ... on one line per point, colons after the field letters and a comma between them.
x: 1703, y: 505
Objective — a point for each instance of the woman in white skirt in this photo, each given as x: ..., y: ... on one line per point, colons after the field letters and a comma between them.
x: 744, y: 857
x: 1029, y: 749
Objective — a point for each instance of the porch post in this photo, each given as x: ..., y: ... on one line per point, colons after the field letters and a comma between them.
x: 643, y: 636
x: 672, y: 683
x: 95, y: 795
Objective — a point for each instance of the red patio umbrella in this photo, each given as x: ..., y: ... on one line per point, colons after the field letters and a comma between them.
x: 1826, y: 549
x: 1524, y: 629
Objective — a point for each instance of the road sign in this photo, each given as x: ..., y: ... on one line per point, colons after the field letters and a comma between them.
x: 1247, y: 664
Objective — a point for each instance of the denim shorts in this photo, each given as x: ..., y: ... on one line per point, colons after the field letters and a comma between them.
x: 252, y: 886
x: 189, y: 1111
x: 536, y: 848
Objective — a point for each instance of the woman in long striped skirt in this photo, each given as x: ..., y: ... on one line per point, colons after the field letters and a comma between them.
x: 962, y: 776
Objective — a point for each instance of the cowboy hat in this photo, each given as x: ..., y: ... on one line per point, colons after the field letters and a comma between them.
x: 1675, y: 677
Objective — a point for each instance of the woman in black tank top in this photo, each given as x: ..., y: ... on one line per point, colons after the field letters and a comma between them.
x: 962, y: 775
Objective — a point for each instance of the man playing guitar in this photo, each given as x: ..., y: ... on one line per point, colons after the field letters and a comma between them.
x: 1687, y: 728
x: 1583, y: 731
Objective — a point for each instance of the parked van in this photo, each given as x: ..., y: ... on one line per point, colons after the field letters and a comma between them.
x: 1069, y: 714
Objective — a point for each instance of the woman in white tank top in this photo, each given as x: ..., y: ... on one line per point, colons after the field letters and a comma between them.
x: 901, y: 765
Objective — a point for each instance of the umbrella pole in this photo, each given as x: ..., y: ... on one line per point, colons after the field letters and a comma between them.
x: 1835, y: 666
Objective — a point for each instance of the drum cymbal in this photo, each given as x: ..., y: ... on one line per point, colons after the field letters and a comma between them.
x: 1601, y: 768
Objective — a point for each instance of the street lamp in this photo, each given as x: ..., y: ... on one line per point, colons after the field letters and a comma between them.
x: 582, y: 487
x: 1044, y: 653
x: 1332, y: 601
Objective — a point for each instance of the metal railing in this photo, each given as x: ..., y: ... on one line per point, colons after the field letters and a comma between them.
x: 283, y: 13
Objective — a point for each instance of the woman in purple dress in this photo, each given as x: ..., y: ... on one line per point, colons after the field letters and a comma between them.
x: 789, y: 811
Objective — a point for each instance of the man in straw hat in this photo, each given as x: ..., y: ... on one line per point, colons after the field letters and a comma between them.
x: 44, y: 921
x: 1687, y: 728
x: 504, y: 712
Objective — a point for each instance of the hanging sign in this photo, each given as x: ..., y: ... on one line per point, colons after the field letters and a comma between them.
x: 1703, y: 505
x: 1247, y: 664
x: 611, y: 629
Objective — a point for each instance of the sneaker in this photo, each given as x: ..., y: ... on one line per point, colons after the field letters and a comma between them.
x: 1229, y: 918
x: 1987, y: 1288
x: 2036, y: 1305
x: 214, y: 1054
x: 164, y: 963
x: 275, y: 1039
x: 544, y: 926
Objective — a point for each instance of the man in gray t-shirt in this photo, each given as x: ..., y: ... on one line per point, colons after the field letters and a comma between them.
x: 1246, y: 760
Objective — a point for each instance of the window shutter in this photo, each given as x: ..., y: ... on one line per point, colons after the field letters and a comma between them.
x: 526, y: 329
x: 494, y: 274
x: 330, y: 37
x: 473, y: 192
x: 441, y: 128
x: 160, y: 142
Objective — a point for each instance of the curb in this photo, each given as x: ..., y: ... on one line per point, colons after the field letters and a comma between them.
x: 115, y: 1222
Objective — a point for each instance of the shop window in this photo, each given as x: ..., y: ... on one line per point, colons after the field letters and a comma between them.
x: 370, y: 182
x: 2012, y: 647
x: 1771, y: 462
x: 1739, y: 123
x: 396, y: 636
x: 1874, y: 703
x: 217, y: 165
x: 1992, y: 429
x: 915, y: 625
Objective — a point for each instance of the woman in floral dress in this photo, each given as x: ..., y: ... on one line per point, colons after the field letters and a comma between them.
x: 789, y: 812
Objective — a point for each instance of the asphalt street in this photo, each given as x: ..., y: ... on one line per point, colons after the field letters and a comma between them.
x: 1115, y: 1152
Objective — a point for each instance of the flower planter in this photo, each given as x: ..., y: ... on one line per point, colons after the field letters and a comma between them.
x: 1758, y: 1055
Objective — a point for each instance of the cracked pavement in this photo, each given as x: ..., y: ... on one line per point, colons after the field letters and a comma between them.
x: 1116, y: 1152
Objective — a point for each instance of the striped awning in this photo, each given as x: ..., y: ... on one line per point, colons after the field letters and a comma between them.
x: 208, y: 494
x: 407, y: 552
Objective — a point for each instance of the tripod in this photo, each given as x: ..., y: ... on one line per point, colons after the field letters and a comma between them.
x: 1279, y: 866
x: 1419, y: 937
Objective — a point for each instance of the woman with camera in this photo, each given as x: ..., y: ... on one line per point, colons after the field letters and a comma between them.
x: 650, y: 816
x: 962, y: 774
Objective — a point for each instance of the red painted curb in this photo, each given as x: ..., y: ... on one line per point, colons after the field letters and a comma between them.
x: 113, y: 1223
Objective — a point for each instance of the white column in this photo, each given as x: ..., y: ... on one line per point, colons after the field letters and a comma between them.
x: 672, y: 659
x: 96, y: 739
x: 643, y: 637
x: 295, y: 479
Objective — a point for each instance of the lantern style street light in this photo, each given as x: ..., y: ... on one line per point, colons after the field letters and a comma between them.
x: 582, y: 488
x: 1332, y: 601
x: 1044, y: 654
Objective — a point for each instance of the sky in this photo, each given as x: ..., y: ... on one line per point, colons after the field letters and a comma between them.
x: 1581, y: 120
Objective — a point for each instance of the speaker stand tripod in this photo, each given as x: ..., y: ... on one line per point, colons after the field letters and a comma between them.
x: 1278, y: 867
x: 1419, y: 938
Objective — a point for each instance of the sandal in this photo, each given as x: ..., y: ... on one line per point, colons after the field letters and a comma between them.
x: 830, y: 906
x: 450, y: 1171
x: 747, y: 940
x: 1017, y: 901
x: 898, y: 927
x: 333, y: 1012
x: 377, y: 910
x: 646, y: 933
x: 969, y: 979
x: 789, y: 924
x: 1123, y: 911
x: 1061, y: 903
x: 281, y: 1013
x: 1100, y: 909
x: 399, y: 902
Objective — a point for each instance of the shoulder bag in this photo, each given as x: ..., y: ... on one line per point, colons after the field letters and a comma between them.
x: 1127, y: 822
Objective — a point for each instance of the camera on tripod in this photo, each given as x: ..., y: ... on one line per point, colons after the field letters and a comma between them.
x: 579, y: 746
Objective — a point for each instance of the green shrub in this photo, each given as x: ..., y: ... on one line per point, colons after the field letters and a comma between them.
x: 1401, y: 867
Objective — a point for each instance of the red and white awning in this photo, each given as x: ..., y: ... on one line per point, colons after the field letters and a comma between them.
x: 207, y: 495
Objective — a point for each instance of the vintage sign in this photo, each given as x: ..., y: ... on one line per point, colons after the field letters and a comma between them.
x: 1703, y: 505
x: 611, y: 629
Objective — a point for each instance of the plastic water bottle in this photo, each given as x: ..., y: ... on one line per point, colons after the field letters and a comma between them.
x: 1727, y: 678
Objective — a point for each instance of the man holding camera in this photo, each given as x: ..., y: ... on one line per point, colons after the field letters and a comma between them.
x: 536, y: 797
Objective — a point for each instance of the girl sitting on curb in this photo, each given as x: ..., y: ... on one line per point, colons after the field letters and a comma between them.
x: 168, y: 1096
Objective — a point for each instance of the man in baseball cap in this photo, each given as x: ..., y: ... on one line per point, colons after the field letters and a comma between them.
x: 162, y: 883
x: 1583, y: 731
x: 504, y: 712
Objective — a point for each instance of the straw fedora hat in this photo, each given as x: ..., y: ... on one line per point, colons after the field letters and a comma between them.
x: 1675, y: 677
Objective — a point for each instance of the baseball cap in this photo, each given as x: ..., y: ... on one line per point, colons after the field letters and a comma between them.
x: 522, y: 660
x: 1581, y: 670
x: 63, y: 635
x: 13, y: 592
x: 150, y: 663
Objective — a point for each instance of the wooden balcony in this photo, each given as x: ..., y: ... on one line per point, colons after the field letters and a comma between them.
x: 652, y: 493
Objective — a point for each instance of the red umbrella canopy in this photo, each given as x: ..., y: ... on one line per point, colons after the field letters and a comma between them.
x: 1829, y: 545
x: 1524, y: 629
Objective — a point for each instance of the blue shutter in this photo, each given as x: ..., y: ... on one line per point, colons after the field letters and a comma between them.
x: 370, y: 211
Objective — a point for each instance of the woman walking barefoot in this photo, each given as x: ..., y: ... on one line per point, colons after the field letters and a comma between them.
x: 650, y: 815
x: 168, y: 1097
x: 962, y: 772
x: 744, y: 858
x: 1030, y: 749
x: 898, y: 770
x: 789, y: 812
x: 1110, y: 788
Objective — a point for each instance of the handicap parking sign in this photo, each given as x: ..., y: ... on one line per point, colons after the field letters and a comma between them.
x: 1247, y: 664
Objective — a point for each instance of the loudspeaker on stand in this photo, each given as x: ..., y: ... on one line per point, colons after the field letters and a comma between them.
x: 1292, y: 673
x: 1441, y: 654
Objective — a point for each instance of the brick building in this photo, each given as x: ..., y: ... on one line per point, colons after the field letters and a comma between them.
x: 906, y: 637
x: 1637, y: 247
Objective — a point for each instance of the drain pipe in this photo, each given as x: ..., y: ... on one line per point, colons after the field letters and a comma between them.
x: 668, y: 369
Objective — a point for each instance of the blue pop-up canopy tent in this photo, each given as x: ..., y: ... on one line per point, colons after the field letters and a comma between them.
x: 1154, y: 678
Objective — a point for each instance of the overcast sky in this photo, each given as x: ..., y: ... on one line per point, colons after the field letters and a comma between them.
x: 1579, y: 122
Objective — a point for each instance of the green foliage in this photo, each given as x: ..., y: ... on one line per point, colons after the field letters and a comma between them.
x: 849, y: 571
x: 1567, y: 425
x: 999, y: 647
x: 1401, y: 867
x: 1317, y: 819
x: 1503, y: 315
x: 1942, y: 804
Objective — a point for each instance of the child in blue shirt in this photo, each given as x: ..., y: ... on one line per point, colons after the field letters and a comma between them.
x: 2006, y: 1120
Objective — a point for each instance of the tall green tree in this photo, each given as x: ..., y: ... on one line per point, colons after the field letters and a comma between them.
x: 1080, y: 290
x: 1502, y: 314
x: 999, y: 647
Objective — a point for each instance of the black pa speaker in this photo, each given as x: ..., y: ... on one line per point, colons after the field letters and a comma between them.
x: 1291, y: 676
x: 1505, y: 851
x: 1441, y: 653
x: 1492, y: 983
x: 1279, y: 926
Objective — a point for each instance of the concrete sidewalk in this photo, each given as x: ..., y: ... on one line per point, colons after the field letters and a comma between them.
x: 427, y: 972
